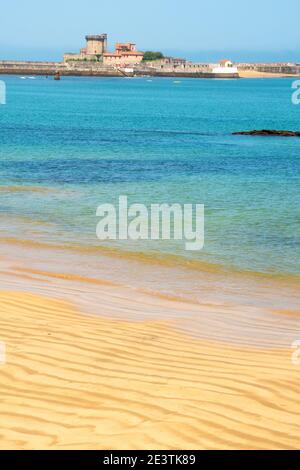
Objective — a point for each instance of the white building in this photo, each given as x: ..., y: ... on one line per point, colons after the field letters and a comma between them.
x: 225, y: 66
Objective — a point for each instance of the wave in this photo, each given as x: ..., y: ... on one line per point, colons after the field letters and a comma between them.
x: 20, y: 189
x: 160, y: 259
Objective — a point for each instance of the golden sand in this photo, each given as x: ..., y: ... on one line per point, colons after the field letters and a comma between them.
x: 255, y: 74
x: 74, y: 381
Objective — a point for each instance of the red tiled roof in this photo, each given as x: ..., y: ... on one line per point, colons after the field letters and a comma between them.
x: 125, y: 44
x: 120, y: 54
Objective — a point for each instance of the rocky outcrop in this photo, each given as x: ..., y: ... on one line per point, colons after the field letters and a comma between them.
x: 268, y: 132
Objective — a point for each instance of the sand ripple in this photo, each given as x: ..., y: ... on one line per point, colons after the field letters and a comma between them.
x: 78, y: 381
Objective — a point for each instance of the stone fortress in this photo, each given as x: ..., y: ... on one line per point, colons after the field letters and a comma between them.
x: 125, y: 54
x: 127, y: 59
x: 96, y: 46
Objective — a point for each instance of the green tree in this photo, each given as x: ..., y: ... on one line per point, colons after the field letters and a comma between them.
x: 151, y: 55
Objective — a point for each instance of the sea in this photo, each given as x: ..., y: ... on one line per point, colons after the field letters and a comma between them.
x: 68, y: 146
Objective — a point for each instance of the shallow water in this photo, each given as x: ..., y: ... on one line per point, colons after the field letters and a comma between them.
x: 66, y: 147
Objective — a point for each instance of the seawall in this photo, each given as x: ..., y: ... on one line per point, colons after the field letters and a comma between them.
x: 98, y: 70
x: 52, y: 68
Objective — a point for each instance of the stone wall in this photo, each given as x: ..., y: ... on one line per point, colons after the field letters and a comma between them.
x: 292, y: 69
x: 82, y: 68
x: 118, y: 60
x: 32, y: 68
x: 188, y: 67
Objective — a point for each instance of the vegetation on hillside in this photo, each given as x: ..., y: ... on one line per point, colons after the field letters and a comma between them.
x: 150, y: 55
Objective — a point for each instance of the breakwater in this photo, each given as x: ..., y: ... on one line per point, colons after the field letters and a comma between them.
x: 276, y: 68
x: 99, y: 70
x: 53, y: 68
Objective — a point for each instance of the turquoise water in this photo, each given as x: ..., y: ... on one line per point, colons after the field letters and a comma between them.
x: 80, y: 142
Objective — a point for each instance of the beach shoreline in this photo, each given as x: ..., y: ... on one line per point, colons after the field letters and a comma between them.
x: 77, y: 381
x: 138, y: 370
x: 256, y: 74
x: 123, y: 344
x: 201, y: 295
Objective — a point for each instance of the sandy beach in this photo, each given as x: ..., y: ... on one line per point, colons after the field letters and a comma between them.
x: 77, y: 381
x: 135, y: 343
x: 256, y: 74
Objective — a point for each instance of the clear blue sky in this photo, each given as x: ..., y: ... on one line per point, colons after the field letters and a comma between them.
x: 197, y: 29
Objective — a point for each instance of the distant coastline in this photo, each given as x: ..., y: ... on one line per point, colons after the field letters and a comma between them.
x: 100, y: 70
x: 95, y: 59
x: 91, y: 69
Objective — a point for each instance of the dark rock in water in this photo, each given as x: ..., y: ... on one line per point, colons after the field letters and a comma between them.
x: 268, y: 132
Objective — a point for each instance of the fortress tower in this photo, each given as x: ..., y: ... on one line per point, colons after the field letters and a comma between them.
x: 96, y: 44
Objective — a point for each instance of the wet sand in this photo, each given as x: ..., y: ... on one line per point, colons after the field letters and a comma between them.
x: 78, y: 381
x: 96, y: 364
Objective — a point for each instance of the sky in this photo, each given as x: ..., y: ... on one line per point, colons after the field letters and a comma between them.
x: 242, y: 30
